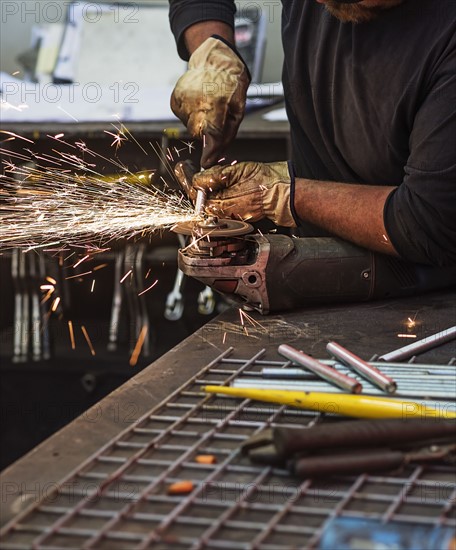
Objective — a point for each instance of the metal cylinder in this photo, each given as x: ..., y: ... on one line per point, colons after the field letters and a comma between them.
x: 329, y: 374
x: 365, y: 370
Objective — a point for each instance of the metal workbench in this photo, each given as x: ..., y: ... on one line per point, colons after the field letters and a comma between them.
x: 101, y: 481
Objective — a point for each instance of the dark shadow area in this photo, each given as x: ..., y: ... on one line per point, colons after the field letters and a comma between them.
x: 39, y: 397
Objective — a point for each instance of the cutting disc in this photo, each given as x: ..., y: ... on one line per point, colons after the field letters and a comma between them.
x: 214, y: 228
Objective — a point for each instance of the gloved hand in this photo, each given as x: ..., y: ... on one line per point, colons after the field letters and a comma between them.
x: 210, y: 97
x: 249, y: 190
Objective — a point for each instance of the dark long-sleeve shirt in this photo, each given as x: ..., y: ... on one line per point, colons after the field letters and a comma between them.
x: 371, y: 103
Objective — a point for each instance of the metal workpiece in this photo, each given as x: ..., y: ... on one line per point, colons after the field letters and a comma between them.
x: 330, y: 374
x: 420, y: 346
x: 364, y: 369
x: 200, y: 201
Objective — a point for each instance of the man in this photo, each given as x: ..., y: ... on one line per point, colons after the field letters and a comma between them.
x: 370, y: 90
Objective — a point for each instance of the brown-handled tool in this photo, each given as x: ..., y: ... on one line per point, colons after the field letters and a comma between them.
x: 279, y: 444
x: 365, y: 461
x: 360, y: 433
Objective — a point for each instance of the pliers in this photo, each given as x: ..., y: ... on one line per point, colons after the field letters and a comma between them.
x: 353, y: 446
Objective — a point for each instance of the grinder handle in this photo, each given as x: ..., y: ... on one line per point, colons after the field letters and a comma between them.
x: 303, y: 271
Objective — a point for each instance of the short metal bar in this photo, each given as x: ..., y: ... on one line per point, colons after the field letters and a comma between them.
x: 329, y: 374
x: 365, y: 370
x: 200, y: 201
x: 290, y: 373
x: 420, y: 346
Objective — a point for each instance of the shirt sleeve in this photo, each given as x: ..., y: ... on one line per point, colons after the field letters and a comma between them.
x: 420, y: 216
x: 184, y: 13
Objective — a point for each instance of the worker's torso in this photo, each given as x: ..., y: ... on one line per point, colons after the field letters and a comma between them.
x: 353, y: 90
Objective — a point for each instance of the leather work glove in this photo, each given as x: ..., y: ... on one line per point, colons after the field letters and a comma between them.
x: 210, y: 97
x: 249, y: 190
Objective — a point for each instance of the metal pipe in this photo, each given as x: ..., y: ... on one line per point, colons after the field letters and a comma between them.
x: 420, y: 346
x: 365, y: 370
x: 329, y: 374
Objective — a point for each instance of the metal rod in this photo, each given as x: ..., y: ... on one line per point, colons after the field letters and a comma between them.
x: 287, y: 373
x: 420, y: 346
x: 365, y: 370
x: 431, y: 395
x: 329, y: 374
x: 200, y: 201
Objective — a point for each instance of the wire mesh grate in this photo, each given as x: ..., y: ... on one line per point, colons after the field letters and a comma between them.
x: 118, y: 498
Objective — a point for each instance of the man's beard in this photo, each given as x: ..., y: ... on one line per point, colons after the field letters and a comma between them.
x: 356, y: 13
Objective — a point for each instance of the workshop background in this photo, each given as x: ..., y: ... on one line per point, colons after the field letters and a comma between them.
x: 42, y: 391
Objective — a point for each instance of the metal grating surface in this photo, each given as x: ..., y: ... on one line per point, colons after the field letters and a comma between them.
x: 118, y: 498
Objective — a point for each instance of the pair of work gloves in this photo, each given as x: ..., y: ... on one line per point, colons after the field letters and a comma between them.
x: 210, y: 100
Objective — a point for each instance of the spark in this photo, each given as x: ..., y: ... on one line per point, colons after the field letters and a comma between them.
x: 61, y: 198
x: 71, y: 331
x: 55, y: 304
x: 79, y: 262
x: 101, y: 266
x: 36, y: 245
x: 58, y: 136
x: 246, y: 317
x: 79, y: 275
x: 406, y: 335
x: 224, y: 338
x: 126, y: 275
x: 6, y: 106
x: 234, y: 162
x: 48, y: 204
x: 147, y: 289
x: 252, y: 321
x: 190, y: 145
x: 411, y: 323
x: 119, y: 138
x: 16, y: 73
x: 51, y: 280
x: 47, y: 287
x: 67, y: 113
x: 87, y: 337
x: 93, y: 286
x: 47, y: 296
x: 138, y: 347
x: 15, y: 136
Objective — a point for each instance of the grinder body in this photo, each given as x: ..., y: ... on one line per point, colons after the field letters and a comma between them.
x: 276, y: 272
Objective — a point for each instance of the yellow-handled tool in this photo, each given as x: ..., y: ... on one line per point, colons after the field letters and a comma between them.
x: 359, y: 406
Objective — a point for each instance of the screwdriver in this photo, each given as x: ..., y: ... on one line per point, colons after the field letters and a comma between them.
x: 358, y: 406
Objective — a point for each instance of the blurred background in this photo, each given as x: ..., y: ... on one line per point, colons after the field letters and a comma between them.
x: 101, y: 57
